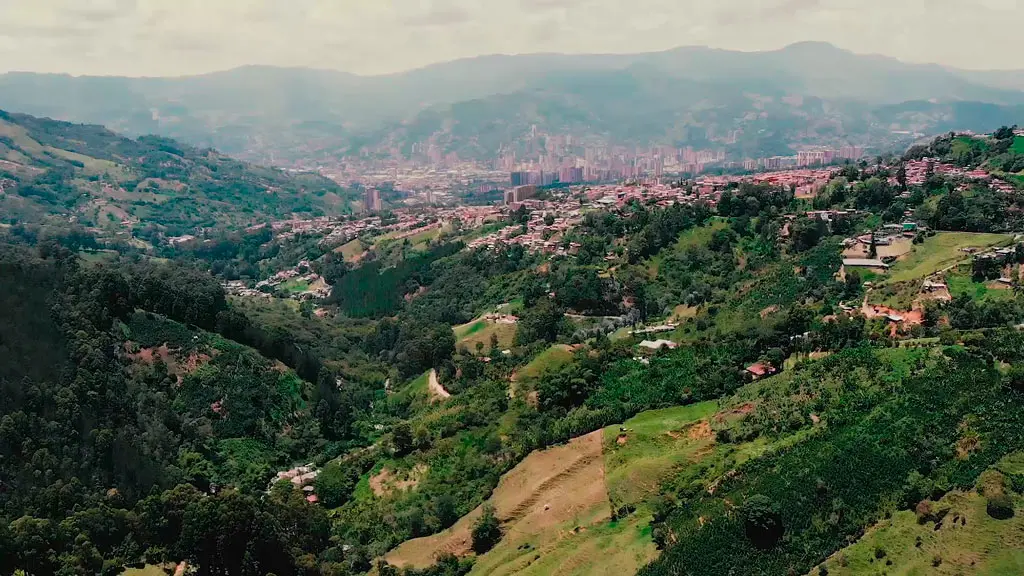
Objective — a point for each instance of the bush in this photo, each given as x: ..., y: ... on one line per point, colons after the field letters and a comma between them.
x: 1000, y: 506
x: 486, y: 530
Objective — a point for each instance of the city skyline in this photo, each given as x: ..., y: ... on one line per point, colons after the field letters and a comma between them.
x: 158, y: 38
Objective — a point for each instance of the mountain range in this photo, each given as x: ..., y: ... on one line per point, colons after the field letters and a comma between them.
x: 802, y: 94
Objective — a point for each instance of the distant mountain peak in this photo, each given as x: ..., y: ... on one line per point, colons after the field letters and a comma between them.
x: 815, y: 45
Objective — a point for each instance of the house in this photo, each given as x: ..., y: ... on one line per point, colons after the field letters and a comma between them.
x: 760, y: 370
x: 872, y: 264
x: 655, y: 345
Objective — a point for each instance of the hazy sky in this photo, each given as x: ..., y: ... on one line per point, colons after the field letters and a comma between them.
x: 171, y: 37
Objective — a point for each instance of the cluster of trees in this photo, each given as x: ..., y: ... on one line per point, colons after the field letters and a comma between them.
x: 374, y: 291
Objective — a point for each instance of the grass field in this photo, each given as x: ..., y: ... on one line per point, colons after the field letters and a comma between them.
x: 941, y: 252
x: 609, y: 548
x: 964, y: 284
x: 294, y: 286
x: 351, y: 250
x: 481, y: 331
x: 655, y: 442
x: 550, y: 359
x: 978, y: 544
x: 150, y: 570
x: 419, y: 387
x: 1018, y: 145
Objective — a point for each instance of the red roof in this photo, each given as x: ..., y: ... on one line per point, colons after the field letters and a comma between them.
x: 760, y: 369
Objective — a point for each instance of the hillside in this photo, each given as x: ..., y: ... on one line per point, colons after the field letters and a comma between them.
x: 280, y: 114
x: 90, y: 175
x: 736, y: 387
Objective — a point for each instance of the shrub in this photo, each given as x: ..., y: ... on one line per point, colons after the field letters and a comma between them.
x: 1000, y: 506
x: 486, y: 530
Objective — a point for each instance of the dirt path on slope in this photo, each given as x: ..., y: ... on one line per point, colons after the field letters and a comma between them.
x: 436, y: 390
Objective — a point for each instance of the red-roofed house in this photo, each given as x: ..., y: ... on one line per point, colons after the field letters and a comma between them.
x: 760, y: 370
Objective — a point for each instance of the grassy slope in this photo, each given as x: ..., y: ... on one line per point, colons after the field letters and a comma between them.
x: 350, y: 251
x: 654, y: 443
x: 481, y: 330
x: 979, y: 544
x: 963, y: 284
x: 982, y: 546
x: 940, y: 252
x: 658, y: 445
x: 550, y: 359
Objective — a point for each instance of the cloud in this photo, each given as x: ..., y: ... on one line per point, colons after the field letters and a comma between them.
x: 445, y: 16
x: 170, y: 37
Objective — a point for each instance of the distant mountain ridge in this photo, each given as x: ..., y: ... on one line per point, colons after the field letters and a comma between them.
x: 275, y: 113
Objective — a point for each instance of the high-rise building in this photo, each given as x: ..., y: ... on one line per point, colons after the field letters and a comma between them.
x: 520, y: 193
x: 372, y: 200
x: 570, y: 175
x: 519, y: 178
x: 851, y: 152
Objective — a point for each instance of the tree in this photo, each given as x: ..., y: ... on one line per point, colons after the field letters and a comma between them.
x: 335, y: 483
x: 486, y: 530
x: 541, y: 322
x: 494, y: 341
x: 1015, y: 377
x: 807, y: 232
x: 401, y: 438
x: 230, y: 534
x: 1004, y: 133
x: 762, y: 521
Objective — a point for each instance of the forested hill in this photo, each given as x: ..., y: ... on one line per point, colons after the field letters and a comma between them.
x: 88, y: 174
x: 123, y: 423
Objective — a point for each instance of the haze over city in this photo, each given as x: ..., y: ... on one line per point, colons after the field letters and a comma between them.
x: 160, y: 38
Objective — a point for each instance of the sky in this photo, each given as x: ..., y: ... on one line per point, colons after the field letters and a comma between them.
x: 179, y: 37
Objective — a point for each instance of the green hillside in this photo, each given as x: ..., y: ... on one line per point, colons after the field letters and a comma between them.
x: 102, y: 180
